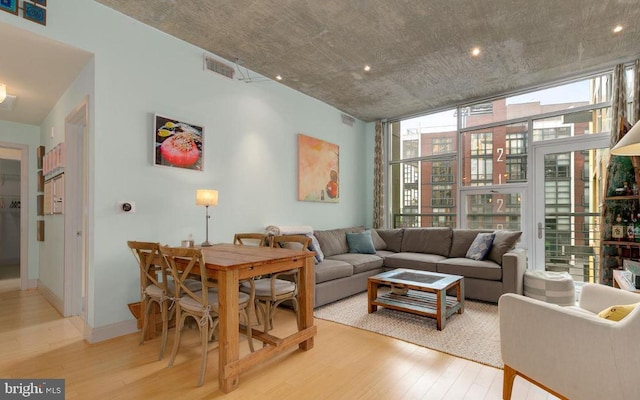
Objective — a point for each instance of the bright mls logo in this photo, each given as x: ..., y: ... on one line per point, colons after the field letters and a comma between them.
x: 43, y: 389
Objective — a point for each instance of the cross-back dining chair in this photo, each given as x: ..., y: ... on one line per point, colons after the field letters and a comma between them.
x: 201, y: 305
x: 272, y: 291
x: 155, y: 286
x: 251, y: 239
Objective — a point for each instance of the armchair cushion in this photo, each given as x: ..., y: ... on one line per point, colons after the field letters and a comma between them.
x: 616, y: 313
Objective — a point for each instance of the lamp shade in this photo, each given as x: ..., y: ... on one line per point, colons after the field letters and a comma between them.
x: 629, y: 145
x: 3, y: 92
x: 206, y: 197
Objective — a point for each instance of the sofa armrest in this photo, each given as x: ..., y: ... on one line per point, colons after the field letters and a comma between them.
x: 514, y: 264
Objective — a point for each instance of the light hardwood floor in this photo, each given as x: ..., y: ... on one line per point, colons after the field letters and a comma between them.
x: 346, y: 363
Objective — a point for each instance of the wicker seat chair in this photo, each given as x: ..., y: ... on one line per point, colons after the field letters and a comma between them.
x: 201, y: 305
x: 251, y: 239
x: 156, y: 286
x: 272, y: 291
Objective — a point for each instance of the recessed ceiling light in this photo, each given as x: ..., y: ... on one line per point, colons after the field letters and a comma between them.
x: 279, y: 77
x: 475, y: 51
x: 617, y: 29
x: 367, y: 68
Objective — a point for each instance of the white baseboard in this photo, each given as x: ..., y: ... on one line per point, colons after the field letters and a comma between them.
x: 91, y: 335
x: 106, y: 332
x: 55, y: 301
x: 32, y: 283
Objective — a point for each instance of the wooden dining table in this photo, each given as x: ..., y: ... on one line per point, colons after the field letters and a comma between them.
x: 229, y: 264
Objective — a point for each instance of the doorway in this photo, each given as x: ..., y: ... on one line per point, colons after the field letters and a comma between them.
x: 75, y: 210
x: 568, y: 190
x: 10, y: 182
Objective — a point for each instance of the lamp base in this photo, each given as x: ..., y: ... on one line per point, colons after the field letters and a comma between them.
x: 206, y: 244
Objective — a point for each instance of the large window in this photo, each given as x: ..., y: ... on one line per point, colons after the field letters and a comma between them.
x: 424, y: 191
x: 486, y: 146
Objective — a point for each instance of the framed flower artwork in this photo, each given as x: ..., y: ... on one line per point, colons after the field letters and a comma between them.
x: 178, y: 144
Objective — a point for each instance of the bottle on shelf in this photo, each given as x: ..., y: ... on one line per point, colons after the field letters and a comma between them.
x: 636, y: 228
x: 630, y: 234
x: 617, y: 230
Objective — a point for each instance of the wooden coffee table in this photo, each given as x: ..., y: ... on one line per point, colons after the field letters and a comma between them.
x: 426, y: 293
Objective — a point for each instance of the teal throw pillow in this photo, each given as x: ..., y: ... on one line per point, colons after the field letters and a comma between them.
x: 361, y: 242
x: 481, y: 246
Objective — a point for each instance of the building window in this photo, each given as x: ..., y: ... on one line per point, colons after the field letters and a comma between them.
x: 482, y: 144
x: 410, y: 148
x: 442, y: 196
x: 442, y: 145
x: 551, y: 133
x: 516, y: 143
x: 442, y: 217
x: 442, y: 172
x: 481, y: 171
x: 410, y: 173
x: 516, y: 169
x: 557, y: 166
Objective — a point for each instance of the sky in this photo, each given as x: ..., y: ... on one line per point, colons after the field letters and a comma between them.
x: 447, y: 120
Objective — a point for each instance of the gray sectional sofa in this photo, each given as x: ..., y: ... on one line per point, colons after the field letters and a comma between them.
x: 341, y: 274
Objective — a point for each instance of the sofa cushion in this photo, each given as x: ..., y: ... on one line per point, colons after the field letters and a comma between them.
x: 334, y: 241
x: 483, y: 269
x: 427, y: 240
x: 419, y: 261
x: 384, y: 253
x: 360, y: 262
x: 392, y: 237
x: 461, y: 241
x: 378, y: 242
x: 329, y: 270
x: 502, y: 242
x: 480, y: 246
x: 315, y: 246
x: 360, y: 242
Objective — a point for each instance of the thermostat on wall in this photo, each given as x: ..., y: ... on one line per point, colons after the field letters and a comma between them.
x: 126, y: 207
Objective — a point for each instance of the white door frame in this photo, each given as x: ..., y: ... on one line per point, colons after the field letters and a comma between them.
x: 539, y: 151
x: 75, y: 211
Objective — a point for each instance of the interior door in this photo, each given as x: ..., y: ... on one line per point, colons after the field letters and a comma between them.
x: 75, y: 212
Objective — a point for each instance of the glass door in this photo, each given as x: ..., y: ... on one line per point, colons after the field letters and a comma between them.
x: 569, y: 176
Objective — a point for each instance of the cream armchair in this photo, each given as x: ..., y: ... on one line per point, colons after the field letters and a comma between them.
x: 570, y: 351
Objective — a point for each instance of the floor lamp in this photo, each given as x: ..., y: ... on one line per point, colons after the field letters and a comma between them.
x: 629, y: 145
x: 206, y: 197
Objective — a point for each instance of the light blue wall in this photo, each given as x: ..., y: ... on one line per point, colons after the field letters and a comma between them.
x: 250, y: 148
x: 53, y: 132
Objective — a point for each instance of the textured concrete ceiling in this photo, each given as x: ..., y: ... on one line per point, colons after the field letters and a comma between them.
x: 419, y: 51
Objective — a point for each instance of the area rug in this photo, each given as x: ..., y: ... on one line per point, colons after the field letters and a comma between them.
x: 473, y: 335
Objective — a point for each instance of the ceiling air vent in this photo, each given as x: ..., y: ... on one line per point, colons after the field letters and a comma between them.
x: 218, y: 67
x: 348, y: 120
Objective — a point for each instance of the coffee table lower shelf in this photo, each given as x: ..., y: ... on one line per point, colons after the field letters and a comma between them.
x: 418, y: 292
x: 417, y: 302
